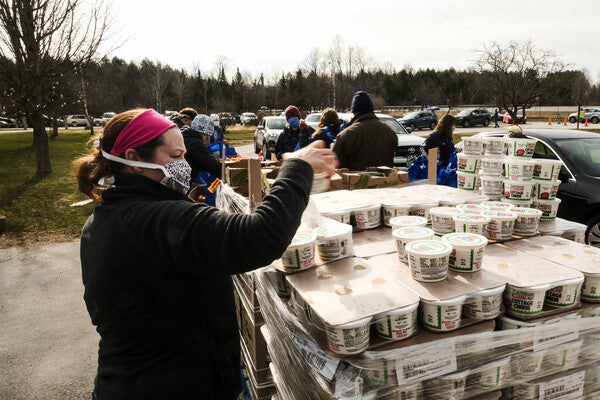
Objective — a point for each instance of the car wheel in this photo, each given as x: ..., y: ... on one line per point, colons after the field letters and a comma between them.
x: 486, y: 122
x: 466, y: 123
x: 572, y: 120
x: 265, y: 151
x: 592, y: 235
x: 432, y: 125
x: 74, y: 124
x: 594, y: 120
x: 413, y: 127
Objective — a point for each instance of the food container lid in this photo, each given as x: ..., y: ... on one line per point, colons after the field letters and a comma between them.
x: 524, y: 211
x: 448, y: 211
x: 433, y: 248
x: 545, y: 201
x: 463, y: 217
x: 519, y: 182
x: 551, y: 183
x: 472, y: 156
x: 501, y: 215
x: 396, y: 311
x: 303, y: 239
x: 491, y: 178
x: 495, y: 138
x: 471, y: 207
x: 408, y: 220
x: 332, y: 230
x: 353, y: 324
x: 487, y: 292
x: 398, y: 204
x: 369, y: 208
x: 416, y: 232
x: 519, y: 160
x: 462, y: 240
x: 498, y: 205
x: 493, y: 157
x: 446, y: 302
x: 520, y: 203
x: 425, y: 205
x: 474, y: 139
x: 541, y: 161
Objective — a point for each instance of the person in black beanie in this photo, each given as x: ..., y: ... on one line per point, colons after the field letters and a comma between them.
x: 367, y: 142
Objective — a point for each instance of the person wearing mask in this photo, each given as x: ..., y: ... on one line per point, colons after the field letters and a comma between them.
x: 328, y: 128
x: 296, y: 134
x: 198, y: 155
x: 157, y: 267
x: 218, y: 135
x: 441, y: 138
x: 367, y: 142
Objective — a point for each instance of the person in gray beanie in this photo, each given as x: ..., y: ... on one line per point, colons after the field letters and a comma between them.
x: 367, y: 142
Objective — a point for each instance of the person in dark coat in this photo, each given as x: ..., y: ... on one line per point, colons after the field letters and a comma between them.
x: 295, y: 135
x: 156, y: 266
x: 367, y: 142
x: 197, y: 153
x: 441, y: 137
x: 328, y: 128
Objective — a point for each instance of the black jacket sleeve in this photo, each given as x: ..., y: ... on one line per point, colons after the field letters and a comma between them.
x: 200, y: 158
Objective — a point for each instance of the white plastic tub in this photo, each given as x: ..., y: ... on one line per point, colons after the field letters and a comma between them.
x: 441, y: 219
x: 493, y: 166
x: 564, y: 356
x: 300, y: 254
x: 403, y: 236
x: 400, y: 323
x: 485, y: 304
x: 468, y: 163
x: 451, y: 386
x: 545, y: 190
x: 471, y: 223
x: 422, y: 210
x: 502, y: 224
x: 590, y: 290
x: 528, y: 364
x: 339, y: 216
x: 442, y: 315
x: 467, y: 253
x: 492, y: 185
x: 564, y: 295
x: 383, y: 373
x: 517, y: 169
x: 350, y: 338
x: 527, y: 222
x: 390, y: 211
x: 525, y: 301
x: 466, y: 181
x: 334, y: 242
x: 518, y: 190
x: 368, y: 217
x: 493, y: 375
x: 497, y: 205
x: 519, y: 147
x: 471, y: 208
x: 407, y: 221
x: 546, y: 170
x: 549, y: 208
x: 428, y: 260
x: 520, y: 203
x: 473, y: 146
x: 495, y: 146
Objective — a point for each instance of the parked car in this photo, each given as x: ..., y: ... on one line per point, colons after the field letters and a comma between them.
x: 226, y: 119
x: 507, y: 119
x: 473, y: 116
x: 419, y: 120
x: 579, y: 151
x: 266, y: 135
x: 77, y: 120
x: 106, y: 116
x: 97, y: 121
x: 48, y: 121
x: 248, y: 118
x: 6, y: 122
x: 592, y: 115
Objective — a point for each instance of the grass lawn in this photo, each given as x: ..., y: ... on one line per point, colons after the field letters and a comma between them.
x: 239, y: 135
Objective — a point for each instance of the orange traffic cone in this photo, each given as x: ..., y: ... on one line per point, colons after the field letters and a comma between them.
x: 586, y: 122
x: 260, y: 156
x: 549, y: 121
x: 565, y: 123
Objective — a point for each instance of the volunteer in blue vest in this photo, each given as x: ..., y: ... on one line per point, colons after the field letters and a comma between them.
x: 296, y: 134
x: 328, y: 128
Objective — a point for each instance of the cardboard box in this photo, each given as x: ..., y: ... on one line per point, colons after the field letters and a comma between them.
x: 259, y: 376
x: 351, y: 180
x: 255, y: 343
x: 248, y: 291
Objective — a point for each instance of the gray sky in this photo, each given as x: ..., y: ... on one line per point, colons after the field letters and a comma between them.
x: 273, y: 35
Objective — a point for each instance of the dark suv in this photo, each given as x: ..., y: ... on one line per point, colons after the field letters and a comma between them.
x: 419, y: 120
x: 226, y: 119
x: 473, y: 116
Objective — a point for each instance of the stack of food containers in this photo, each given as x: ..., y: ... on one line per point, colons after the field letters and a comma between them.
x: 546, y: 184
x: 492, y: 168
x: 469, y: 163
x: 518, y: 169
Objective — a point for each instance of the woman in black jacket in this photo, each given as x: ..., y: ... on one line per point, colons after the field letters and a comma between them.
x: 156, y: 267
x: 442, y: 139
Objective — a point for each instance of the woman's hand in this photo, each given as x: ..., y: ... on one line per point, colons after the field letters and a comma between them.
x: 321, y: 160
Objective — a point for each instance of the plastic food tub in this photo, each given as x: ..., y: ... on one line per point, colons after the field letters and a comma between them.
x: 452, y: 386
x: 590, y: 290
x: 339, y: 216
x: 300, y: 254
x: 350, y: 338
x: 517, y: 169
x: 564, y: 356
x: 520, y: 147
x: 564, y: 295
x: 334, y: 242
x: 473, y: 146
x: 525, y: 301
x: 518, y: 190
x: 368, y: 217
x: 403, y: 236
x: 491, y: 376
x: 390, y: 211
x: 527, y: 222
x: 495, y: 146
x: 467, y: 253
x: 528, y: 364
x: 422, y: 210
x: 428, y: 260
x: 471, y: 223
x: 442, y: 315
x: 321, y: 183
x: 549, y: 208
x: 407, y: 221
x: 383, y: 374
x: 466, y: 181
x: 502, y: 224
x: 545, y: 190
x: 441, y: 219
x: 520, y: 203
x: 400, y: 323
x: 492, y: 185
x: 468, y: 163
x: 546, y: 170
x: 493, y: 166
x: 497, y: 205
x: 485, y: 304
x: 471, y: 208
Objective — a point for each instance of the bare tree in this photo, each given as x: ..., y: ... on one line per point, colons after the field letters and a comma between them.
x: 158, y: 79
x: 42, y: 39
x: 517, y: 74
x: 314, y: 61
x: 180, y: 87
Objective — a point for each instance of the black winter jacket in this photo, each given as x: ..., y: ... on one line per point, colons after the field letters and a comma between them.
x: 198, y: 155
x: 288, y: 140
x: 156, y: 269
x: 443, y: 143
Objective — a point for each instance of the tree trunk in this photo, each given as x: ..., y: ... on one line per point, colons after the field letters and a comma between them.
x: 54, y: 128
x: 40, y: 141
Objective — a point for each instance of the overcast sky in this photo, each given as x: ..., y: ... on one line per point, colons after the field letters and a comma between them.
x: 275, y: 35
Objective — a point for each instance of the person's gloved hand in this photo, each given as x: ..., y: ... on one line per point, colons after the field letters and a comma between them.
x: 321, y: 160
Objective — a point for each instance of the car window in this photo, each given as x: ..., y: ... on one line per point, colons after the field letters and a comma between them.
x: 585, y: 153
x: 411, y: 115
x: 276, y: 123
x: 313, y: 118
x: 396, y: 126
x: 543, y: 151
x: 464, y: 113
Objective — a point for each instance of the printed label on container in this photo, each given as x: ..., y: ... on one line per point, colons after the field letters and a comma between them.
x: 547, y: 340
x: 314, y: 356
x: 430, y: 362
x: 566, y: 387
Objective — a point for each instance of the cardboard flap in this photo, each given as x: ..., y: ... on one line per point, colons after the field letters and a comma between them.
x: 562, y: 251
x: 348, y: 290
x: 524, y: 269
x: 457, y: 284
x: 374, y: 242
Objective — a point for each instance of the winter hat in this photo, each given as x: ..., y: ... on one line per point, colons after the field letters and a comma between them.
x: 291, y: 112
x: 203, y: 124
x: 361, y: 102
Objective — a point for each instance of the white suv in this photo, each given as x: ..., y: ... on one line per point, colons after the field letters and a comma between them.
x: 106, y: 116
x: 76, y: 120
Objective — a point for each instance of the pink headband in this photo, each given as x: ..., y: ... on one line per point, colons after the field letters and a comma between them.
x: 140, y: 130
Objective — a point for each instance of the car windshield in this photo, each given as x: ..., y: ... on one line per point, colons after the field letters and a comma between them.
x: 313, y: 118
x: 248, y: 115
x: 276, y: 123
x: 463, y: 113
x: 584, y: 153
x: 411, y: 115
x: 395, y: 125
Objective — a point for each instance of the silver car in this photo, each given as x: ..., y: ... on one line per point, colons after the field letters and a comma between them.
x: 591, y: 114
x: 266, y: 135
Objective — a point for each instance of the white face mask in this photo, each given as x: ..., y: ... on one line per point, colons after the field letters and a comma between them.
x: 177, y: 173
